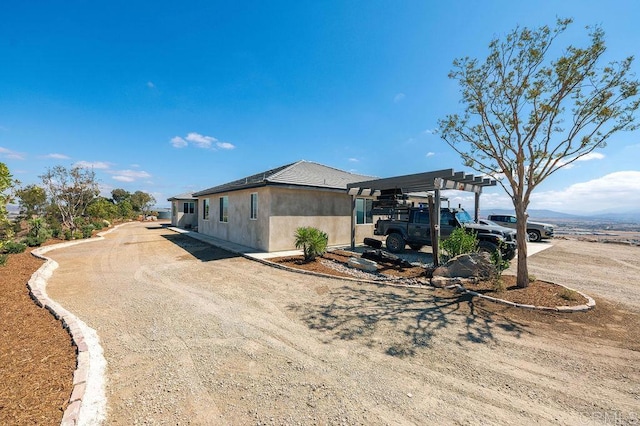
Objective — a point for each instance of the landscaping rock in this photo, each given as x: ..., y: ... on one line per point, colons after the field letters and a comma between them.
x: 468, y: 265
x: 364, y: 264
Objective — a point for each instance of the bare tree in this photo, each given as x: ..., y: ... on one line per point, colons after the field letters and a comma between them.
x: 71, y: 191
x: 527, y: 116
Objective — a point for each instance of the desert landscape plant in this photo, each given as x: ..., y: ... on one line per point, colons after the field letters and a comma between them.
x: 312, y: 241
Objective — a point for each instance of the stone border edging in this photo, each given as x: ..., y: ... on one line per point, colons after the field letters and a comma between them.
x: 578, y: 308
x: 87, y: 401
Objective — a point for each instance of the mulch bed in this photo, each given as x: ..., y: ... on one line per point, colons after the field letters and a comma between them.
x: 538, y: 293
x: 37, y: 357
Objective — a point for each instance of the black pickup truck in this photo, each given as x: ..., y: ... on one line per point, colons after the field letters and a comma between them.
x: 416, y: 231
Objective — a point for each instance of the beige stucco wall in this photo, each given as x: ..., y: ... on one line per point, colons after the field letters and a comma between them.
x: 281, y: 210
x: 326, y: 210
x: 240, y: 228
x: 181, y: 219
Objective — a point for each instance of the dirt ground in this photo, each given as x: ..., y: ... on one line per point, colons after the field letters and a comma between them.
x: 194, y: 335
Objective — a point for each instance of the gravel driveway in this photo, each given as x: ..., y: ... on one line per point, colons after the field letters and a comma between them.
x: 195, y: 335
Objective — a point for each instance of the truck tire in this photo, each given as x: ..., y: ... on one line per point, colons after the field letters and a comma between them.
x: 395, y: 243
x: 487, y: 247
x: 416, y: 247
x: 534, y: 235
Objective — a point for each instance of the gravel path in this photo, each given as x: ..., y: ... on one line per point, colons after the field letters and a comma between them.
x: 195, y: 335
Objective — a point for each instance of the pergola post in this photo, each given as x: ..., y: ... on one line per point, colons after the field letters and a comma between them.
x: 353, y: 222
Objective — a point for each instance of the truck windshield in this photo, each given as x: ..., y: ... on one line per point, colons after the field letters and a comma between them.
x: 463, y: 217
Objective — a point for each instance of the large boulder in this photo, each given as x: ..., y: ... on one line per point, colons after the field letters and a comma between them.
x: 469, y: 265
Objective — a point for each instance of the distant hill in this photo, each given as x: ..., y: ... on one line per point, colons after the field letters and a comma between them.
x: 541, y: 214
x: 536, y: 214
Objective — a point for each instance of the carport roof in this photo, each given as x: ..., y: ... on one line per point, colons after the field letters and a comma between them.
x: 427, y: 181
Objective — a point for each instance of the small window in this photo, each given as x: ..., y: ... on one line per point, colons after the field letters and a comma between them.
x: 224, y: 209
x: 254, y: 205
x: 173, y: 209
x: 188, y: 207
x: 363, y: 211
x: 205, y: 209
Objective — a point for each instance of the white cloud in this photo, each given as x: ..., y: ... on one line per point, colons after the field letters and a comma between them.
x: 591, y: 156
x: 57, y: 156
x: 618, y: 190
x: 353, y: 160
x: 399, y: 97
x: 201, y: 141
x: 430, y: 154
x: 150, y: 85
x: 13, y: 155
x: 225, y: 145
x: 101, y: 165
x: 178, y: 142
x: 587, y: 157
x: 429, y: 132
x: 130, y: 175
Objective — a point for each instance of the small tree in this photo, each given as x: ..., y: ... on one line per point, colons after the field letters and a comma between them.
x: 102, y: 208
x: 33, y: 200
x: 517, y: 101
x: 71, y: 191
x: 142, y: 202
x: 312, y: 241
x: 459, y: 242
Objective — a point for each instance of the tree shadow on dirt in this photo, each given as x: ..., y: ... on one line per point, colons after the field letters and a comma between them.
x: 198, y: 249
x: 413, y: 317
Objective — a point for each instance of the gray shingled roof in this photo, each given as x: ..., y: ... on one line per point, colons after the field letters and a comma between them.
x: 300, y: 173
x: 183, y: 196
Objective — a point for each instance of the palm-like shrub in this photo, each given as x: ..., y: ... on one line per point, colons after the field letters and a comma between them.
x: 312, y: 241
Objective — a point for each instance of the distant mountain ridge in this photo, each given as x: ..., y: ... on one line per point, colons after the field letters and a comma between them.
x: 541, y: 214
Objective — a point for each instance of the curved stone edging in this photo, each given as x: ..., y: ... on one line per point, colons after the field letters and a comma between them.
x: 578, y: 308
x: 87, y: 403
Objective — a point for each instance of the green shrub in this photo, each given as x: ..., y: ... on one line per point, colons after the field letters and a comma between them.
x: 3, y: 259
x: 56, y: 232
x: 312, y: 241
x: 459, y: 242
x: 38, y: 232
x: 76, y: 235
x: 68, y: 234
x: 98, y: 225
x: 12, y: 247
x: 87, y: 231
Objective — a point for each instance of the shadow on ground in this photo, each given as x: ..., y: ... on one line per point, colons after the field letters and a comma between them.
x: 198, y: 249
x: 413, y: 318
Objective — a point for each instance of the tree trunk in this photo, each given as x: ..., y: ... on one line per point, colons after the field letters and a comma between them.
x: 522, y: 278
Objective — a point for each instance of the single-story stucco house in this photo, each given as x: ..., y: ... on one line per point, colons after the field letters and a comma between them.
x: 264, y: 210
x: 184, y: 211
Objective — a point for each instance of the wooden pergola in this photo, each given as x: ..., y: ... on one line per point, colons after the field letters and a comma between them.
x: 432, y: 182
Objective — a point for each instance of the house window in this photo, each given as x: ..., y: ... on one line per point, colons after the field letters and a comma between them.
x: 254, y: 205
x: 188, y: 207
x: 363, y: 211
x: 173, y: 209
x: 224, y: 209
x: 205, y: 209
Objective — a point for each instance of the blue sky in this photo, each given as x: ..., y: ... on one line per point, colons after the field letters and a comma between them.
x: 168, y: 97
